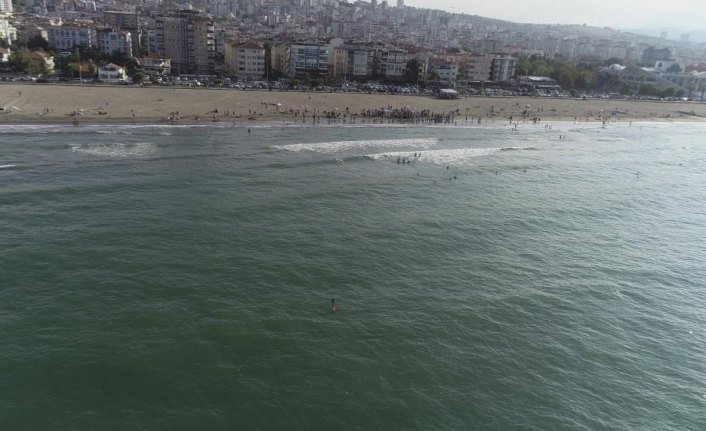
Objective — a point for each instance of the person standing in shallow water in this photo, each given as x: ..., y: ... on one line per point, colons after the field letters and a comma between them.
x: 333, y: 305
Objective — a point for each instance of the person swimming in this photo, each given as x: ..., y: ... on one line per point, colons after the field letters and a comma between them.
x: 333, y: 305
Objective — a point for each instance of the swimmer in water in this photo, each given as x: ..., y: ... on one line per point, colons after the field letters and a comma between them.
x: 333, y: 305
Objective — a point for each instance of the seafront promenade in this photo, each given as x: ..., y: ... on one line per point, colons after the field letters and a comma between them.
x: 29, y: 103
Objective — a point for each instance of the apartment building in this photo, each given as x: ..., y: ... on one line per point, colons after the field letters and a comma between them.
x: 67, y: 37
x: 447, y: 73
x: 155, y: 65
x: 502, y: 67
x: 245, y: 60
x: 354, y: 62
x: 186, y: 37
x: 110, y: 40
x: 391, y: 63
x: 5, y: 6
x: 308, y: 58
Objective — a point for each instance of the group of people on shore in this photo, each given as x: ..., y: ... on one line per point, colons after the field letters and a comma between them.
x: 409, y: 115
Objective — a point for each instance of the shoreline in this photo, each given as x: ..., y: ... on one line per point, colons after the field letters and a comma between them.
x: 62, y: 104
x: 268, y: 124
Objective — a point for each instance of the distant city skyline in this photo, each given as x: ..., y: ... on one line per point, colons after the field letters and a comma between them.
x: 625, y: 14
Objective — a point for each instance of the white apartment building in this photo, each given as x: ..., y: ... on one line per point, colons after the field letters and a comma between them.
x: 312, y: 59
x: 448, y: 73
x: 110, y: 40
x: 369, y: 62
x: 7, y: 31
x: 245, y: 60
x: 66, y: 38
x: 155, y: 65
x: 5, y: 6
x: 392, y: 62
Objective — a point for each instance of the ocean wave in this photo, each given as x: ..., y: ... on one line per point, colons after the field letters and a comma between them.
x: 115, y: 149
x: 518, y: 149
x: 113, y: 132
x: 443, y: 156
x: 336, y: 146
x: 447, y: 156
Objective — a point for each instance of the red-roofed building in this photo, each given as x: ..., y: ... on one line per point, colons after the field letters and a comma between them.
x: 111, y: 73
x: 43, y: 60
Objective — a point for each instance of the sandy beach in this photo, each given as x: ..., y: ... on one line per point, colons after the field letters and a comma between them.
x: 50, y: 103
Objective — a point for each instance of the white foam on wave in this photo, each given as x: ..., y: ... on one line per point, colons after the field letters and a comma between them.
x: 35, y: 129
x: 7, y: 166
x: 443, y: 156
x: 113, y: 132
x: 115, y: 149
x: 334, y: 147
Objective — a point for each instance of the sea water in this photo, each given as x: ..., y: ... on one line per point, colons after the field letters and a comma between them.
x: 180, y: 278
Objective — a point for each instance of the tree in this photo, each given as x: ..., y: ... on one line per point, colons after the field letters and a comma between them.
x: 674, y: 68
x: 37, y: 42
x: 37, y: 68
x: 668, y: 92
x: 118, y: 57
x: 306, y: 79
x: 565, y: 75
x: 411, y: 71
x: 585, y: 80
x: 92, y: 53
x: 649, y: 90
x: 138, y: 78
x: 434, y: 76
x: 625, y: 89
x: 70, y: 70
x: 268, y: 60
x: 19, y: 61
x: 534, y: 65
x: 131, y: 66
x: 22, y: 62
x: 522, y: 67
